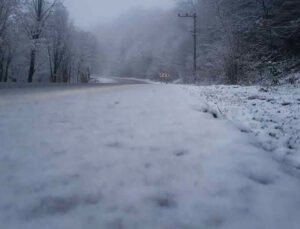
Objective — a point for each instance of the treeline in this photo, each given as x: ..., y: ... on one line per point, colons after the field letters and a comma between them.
x: 247, y: 41
x: 238, y: 41
x: 38, y: 43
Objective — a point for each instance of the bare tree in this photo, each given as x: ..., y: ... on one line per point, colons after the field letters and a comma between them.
x: 58, y: 42
x: 34, y: 18
x: 6, y: 11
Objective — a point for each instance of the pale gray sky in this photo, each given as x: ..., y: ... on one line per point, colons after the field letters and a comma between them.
x: 88, y: 13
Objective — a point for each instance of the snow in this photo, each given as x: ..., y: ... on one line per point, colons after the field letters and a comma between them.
x: 270, y: 114
x: 118, y: 80
x: 104, y: 80
x: 135, y: 156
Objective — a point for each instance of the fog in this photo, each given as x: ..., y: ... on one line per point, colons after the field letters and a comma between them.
x: 137, y: 39
x: 89, y: 13
x: 144, y: 38
x: 144, y: 43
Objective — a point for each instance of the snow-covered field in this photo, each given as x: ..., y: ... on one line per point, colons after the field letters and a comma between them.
x: 140, y: 156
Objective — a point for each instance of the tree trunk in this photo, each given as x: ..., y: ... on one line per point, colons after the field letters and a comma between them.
x: 6, y: 69
x: 50, y: 65
x: 55, y: 71
x: 1, y: 70
x: 55, y: 77
x: 0, y: 74
x: 32, y: 66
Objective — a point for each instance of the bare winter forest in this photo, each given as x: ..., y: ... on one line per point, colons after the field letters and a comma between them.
x: 238, y: 42
x: 39, y: 43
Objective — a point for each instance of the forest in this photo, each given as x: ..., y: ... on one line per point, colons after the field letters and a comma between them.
x: 238, y: 42
x: 39, y: 43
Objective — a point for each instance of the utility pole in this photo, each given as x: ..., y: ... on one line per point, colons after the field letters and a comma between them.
x: 194, y: 16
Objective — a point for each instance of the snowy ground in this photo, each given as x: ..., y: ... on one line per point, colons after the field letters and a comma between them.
x: 271, y: 114
x: 117, y: 80
x: 139, y: 156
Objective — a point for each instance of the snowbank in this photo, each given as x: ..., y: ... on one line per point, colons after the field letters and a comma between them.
x: 270, y: 114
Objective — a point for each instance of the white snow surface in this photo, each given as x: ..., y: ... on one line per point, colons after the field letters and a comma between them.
x: 104, y: 80
x: 139, y: 156
x: 271, y: 114
x: 118, y: 80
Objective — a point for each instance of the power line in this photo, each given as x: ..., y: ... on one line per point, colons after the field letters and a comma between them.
x: 194, y: 16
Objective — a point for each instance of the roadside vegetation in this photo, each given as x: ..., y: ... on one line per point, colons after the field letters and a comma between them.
x: 238, y: 42
x: 39, y: 43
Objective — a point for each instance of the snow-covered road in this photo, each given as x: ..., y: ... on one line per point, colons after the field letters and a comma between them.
x: 134, y: 156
